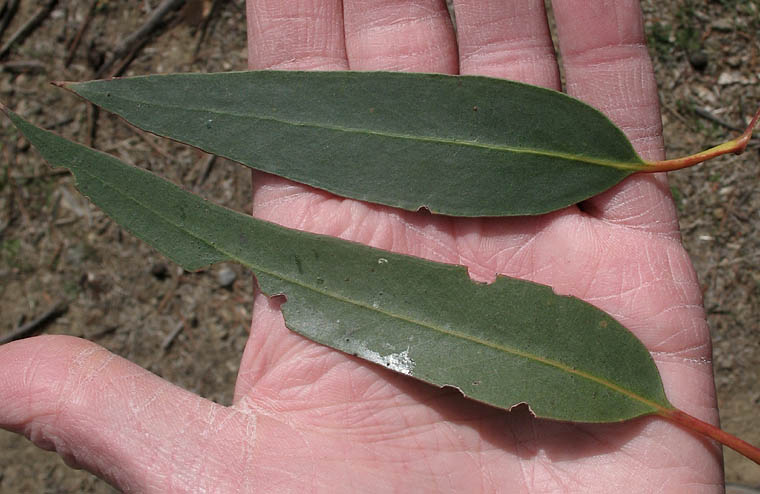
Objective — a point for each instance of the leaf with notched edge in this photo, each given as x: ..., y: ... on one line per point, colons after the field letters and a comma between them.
x: 514, y: 341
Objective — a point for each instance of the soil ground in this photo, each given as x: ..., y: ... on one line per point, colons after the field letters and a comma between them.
x: 190, y: 329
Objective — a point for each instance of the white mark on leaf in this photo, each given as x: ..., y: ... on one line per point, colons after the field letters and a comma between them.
x: 399, y: 361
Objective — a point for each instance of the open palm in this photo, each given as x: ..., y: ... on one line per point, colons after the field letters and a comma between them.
x: 307, y: 418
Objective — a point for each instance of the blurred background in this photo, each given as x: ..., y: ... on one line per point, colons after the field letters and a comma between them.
x: 66, y: 268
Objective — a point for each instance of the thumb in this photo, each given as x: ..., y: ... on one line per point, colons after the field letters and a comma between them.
x: 109, y: 416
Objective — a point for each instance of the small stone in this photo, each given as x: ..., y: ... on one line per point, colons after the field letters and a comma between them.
x: 6, y: 87
x: 706, y: 95
x: 75, y: 254
x: 226, y: 277
x: 160, y: 271
x: 698, y: 60
x: 734, y: 62
x: 725, y: 25
x: 702, y: 16
x: 728, y: 78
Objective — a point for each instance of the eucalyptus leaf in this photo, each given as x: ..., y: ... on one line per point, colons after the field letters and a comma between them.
x: 456, y: 145
x: 502, y: 343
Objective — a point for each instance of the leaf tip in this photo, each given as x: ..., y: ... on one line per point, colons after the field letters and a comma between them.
x: 67, y: 85
x: 14, y: 118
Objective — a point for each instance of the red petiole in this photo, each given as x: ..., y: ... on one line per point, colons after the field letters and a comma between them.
x: 684, y: 419
x: 736, y: 146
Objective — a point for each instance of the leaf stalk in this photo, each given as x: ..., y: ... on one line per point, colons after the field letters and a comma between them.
x: 736, y: 146
x: 684, y: 419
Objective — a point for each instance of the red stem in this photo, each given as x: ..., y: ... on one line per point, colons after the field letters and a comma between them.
x: 736, y: 146
x: 684, y: 419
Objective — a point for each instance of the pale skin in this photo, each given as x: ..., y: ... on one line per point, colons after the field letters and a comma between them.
x: 309, y: 419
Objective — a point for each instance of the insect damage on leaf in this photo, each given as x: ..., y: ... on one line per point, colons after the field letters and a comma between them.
x: 417, y: 317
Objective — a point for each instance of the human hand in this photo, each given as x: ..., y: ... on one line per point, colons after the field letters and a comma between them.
x: 307, y: 418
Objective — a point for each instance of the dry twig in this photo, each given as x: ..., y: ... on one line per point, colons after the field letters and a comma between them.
x: 22, y: 66
x: 208, y: 163
x: 172, y: 336
x: 215, y: 8
x: 74, y: 43
x: 131, y: 45
x: 32, y: 326
x: 7, y: 12
x: 712, y: 118
x: 29, y: 26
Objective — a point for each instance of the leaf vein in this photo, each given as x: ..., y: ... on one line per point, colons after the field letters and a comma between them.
x: 627, y: 166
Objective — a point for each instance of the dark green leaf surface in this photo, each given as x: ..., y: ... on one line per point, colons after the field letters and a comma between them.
x: 504, y: 343
x: 457, y: 145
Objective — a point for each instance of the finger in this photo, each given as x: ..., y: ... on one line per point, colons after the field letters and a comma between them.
x: 400, y: 35
x: 304, y: 35
x: 506, y: 39
x: 607, y: 65
x: 104, y: 414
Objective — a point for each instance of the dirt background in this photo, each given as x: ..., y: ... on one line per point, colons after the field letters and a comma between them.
x: 190, y: 328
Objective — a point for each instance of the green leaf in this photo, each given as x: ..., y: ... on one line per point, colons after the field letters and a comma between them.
x: 457, y: 145
x: 502, y: 343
